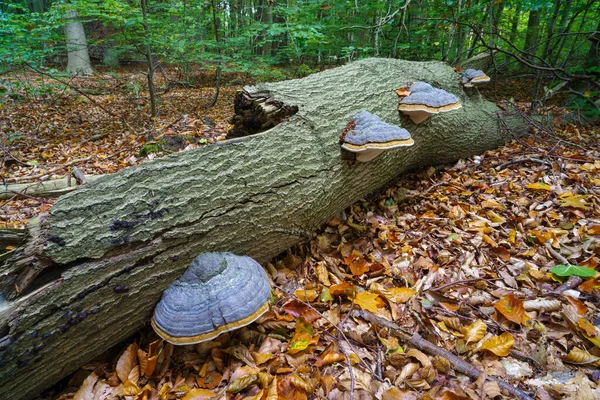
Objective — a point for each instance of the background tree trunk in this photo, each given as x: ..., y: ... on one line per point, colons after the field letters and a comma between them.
x: 257, y: 195
x: 78, y: 58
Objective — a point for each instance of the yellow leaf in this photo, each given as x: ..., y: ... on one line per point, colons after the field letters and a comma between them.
x: 495, y: 217
x: 474, y: 332
x: 367, y: 301
x: 576, y: 201
x: 306, y: 294
x: 581, y: 357
x: 394, y: 294
x: 198, y: 394
x: 499, y: 345
x: 539, y: 186
x: 301, y: 341
x: 587, y: 327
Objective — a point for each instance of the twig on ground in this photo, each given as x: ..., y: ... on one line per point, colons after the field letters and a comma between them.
x: 523, y: 160
x: 457, y: 363
x: 555, y: 253
x: 464, y: 282
x: 351, y: 374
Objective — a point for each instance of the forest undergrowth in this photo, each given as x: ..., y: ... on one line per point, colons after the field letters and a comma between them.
x: 460, y: 255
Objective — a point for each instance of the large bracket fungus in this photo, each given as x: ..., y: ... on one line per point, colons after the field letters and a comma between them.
x: 368, y: 136
x: 219, y: 292
x: 425, y: 100
x: 473, y: 77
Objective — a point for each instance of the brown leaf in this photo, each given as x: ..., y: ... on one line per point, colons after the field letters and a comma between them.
x: 126, y: 362
x: 86, y: 390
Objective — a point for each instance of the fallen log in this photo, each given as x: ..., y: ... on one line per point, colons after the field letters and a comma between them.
x: 93, y: 268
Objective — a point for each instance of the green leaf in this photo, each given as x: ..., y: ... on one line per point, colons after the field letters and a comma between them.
x: 573, y: 270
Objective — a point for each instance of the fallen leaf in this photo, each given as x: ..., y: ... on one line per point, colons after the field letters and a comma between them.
x: 499, y: 345
x: 367, y: 301
x: 512, y: 309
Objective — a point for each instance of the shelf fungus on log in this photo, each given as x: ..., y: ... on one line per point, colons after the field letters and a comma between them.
x: 473, y: 77
x: 425, y: 100
x: 219, y: 292
x: 368, y: 136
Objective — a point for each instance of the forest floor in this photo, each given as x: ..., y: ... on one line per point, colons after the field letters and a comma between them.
x: 460, y: 255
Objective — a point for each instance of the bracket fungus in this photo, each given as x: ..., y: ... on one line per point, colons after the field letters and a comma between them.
x: 425, y: 100
x: 219, y: 292
x: 368, y: 136
x: 472, y: 77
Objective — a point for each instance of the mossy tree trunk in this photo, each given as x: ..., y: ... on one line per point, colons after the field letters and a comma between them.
x: 255, y: 195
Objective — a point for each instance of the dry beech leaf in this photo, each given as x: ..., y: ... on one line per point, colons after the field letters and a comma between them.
x: 198, y: 394
x: 242, y: 383
x: 408, y: 370
x: 499, y: 345
x: 130, y: 389
x: 587, y: 327
x: 398, y: 294
x: 441, y: 364
x: 272, y: 394
x: 579, y: 306
x: 306, y: 294
x: 450, y: 395
x: 258, y: 396
x: 512, y: 309
x: 142, y: 360
x: 300, y: 383
x: 492, y: 389
x: 542, y: 304
x: 164, y: 391
x: 451, y: 322
x: 367, y: 301
x: 210, y: 380
x: 394, y: 393
x: 261, y: 358
x: 329, y: 359
x: 134, y: 375
x: 86, y: 390
x: 474, y: 332
x: 581, y: 357
x: 126, y: 362
x: 342, y: 288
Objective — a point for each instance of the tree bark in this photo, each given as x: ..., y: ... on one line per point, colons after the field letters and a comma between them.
x: 531, y: 37
x: 256, y: 195
x: 78, y: 58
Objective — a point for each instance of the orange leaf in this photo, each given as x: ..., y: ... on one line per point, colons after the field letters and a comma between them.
x: 512, y: 309
x: 358, y: 265
x: 579, y: 306
x: 367, y: 301
x: 342, y: 288
x: 499, y: 345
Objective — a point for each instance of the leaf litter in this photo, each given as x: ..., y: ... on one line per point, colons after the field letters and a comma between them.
x: 459, y: 257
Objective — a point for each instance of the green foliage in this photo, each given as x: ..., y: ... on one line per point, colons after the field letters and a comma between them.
x: 573, y: 270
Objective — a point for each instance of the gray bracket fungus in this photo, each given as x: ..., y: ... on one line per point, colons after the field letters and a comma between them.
x: 472, y: 77
x: 219, y: 292
x: 368, y: 135
x: 425, y: 100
